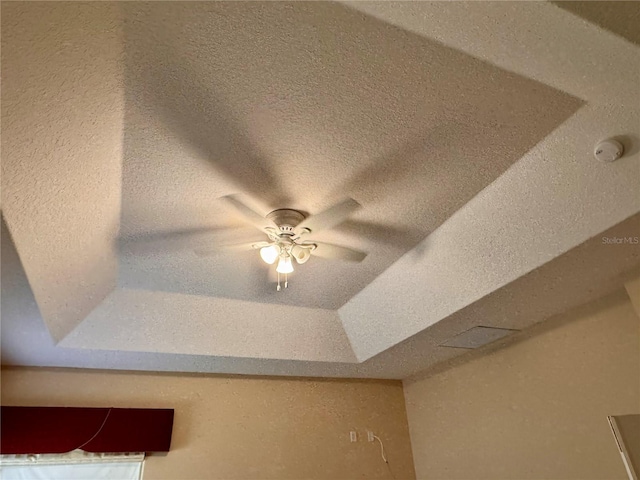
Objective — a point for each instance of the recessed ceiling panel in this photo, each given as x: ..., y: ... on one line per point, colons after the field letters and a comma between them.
x: 297, y: 105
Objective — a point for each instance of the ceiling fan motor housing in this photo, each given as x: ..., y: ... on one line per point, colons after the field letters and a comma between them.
x: 286, y: 219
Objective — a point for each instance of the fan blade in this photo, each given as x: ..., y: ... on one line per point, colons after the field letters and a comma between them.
x: 240, y: 247
x: 393, y: 235
x: 175, y: 240
x: 327, y: 250
x: 329, y: 217
x: 250, y: 215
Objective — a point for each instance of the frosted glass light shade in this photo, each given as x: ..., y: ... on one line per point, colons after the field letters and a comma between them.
x: 284, y: 265
x: 301, y: 254
x: 270, y: 254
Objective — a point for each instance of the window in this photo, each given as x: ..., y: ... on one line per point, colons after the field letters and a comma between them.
x: 75, y: 465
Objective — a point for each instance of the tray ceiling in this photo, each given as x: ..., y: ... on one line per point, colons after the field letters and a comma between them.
x: 468, y: 146
x: 296, y: 106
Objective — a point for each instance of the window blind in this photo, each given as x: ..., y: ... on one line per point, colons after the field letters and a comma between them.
x: 76, y: 465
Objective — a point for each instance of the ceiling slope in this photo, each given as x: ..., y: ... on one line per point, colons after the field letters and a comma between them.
x: 534, y: 39
x: 143, y: 321
x: 562, y: 284
x: 553, y: 199
x: 62, y: 126
x: 622, y: 18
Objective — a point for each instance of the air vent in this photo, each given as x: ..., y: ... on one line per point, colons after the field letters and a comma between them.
x: 477, y: 337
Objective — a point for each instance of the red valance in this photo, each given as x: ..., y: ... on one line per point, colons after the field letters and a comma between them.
x: 63, y: 429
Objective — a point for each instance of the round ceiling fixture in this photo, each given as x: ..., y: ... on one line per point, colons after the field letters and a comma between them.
x: 608, y: 150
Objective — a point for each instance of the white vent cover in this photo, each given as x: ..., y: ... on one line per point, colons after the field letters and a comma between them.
x: 477, y: 337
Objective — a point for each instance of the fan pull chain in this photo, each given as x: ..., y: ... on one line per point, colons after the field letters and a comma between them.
x: 286, y: 280
x: 278, y: 287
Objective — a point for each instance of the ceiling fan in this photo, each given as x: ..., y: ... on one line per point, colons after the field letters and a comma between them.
x: 288, y: 236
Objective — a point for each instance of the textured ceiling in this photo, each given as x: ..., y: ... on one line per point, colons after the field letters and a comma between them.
x: 622, y: 18
x: 588, y: 272
x: 61, y: 174
x: 298, y: 105
x: 467, y: 140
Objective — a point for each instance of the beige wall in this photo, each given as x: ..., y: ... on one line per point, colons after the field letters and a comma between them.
x: 250, y: 428
x: 536, y: 409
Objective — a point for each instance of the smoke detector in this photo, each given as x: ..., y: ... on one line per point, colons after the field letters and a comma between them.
x: 608, y: 150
